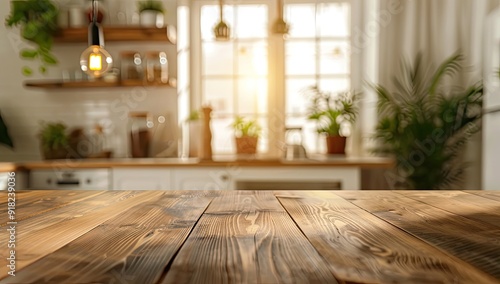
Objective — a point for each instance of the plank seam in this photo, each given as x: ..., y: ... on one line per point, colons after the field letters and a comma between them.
x: 339, y: 280
x: 172, y: 259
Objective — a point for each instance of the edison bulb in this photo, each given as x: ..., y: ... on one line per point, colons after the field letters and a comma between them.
x: 96, y: 61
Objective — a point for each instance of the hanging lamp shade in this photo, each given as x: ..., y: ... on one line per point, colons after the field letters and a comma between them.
x: 222, y: 31
x: 95, y: 60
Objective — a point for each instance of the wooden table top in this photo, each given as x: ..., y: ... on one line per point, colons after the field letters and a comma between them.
x: 71, y: 236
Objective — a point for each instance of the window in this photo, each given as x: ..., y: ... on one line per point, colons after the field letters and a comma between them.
x: 234, y: 73
x: 239, y: 78
x: 316, y: 53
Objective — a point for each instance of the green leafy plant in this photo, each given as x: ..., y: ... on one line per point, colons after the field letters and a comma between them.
x: 37, y: 20
x: 4, y: 134
x: 194, y: 116
x: 425, y: 124
x: 150, y: 5
x: 246, y: 127
x: 333, y: 112
x: 53, y: 136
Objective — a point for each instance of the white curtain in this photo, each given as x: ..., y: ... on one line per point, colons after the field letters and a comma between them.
x: 438, y: 28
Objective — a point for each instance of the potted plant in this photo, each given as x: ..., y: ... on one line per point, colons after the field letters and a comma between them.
x: 425, y: 124
x: 150, y: 11
x: 37, y: 20
x: 193, y: 123
x: 335, y: 114
x: 4, y: 134
x: 247, y: 132
x: 54, y: 141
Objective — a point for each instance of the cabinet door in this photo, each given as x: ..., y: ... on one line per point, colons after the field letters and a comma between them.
x: 201, y: 179
x: 141, y: 179
x: 96, y: 179
x: 307, y: 178
x: 3, y: 180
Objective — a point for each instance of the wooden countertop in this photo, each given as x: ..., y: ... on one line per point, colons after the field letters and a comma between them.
x: 363, y: 162
x: 7, y: 167
x: 70, y: 236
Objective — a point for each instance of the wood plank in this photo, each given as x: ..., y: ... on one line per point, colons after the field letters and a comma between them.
x: 229, y: 162
x: 247, y: 237
x: 58, y: 84
x: 36, y: 202
x: 43, y: 234
x: 133, y: 247
x: 365, y: 249
x: 165, y: 34
x: 468, y: 205
x: 473, y: 241
x: 490, y: 194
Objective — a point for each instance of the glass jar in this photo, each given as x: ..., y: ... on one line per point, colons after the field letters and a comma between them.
x: 139, y: 126
x: 131, y: 66
x: 157, y: 67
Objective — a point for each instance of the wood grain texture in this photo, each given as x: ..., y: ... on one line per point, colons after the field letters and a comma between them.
x: 159, y: 237
x: 133, y: 247
x: 470, y: 206
x: 247, y: 237
x: 472, y: 240
x: 44, y: 234
x: 489, y: 194
x: 42, y: 201
x: 363, y: 248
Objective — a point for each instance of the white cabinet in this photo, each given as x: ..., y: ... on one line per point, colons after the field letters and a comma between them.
x: 305, y: 178
x: 201, y: 179
x: 4, y: 177
x: 70, y: 179
x: 141, y: 178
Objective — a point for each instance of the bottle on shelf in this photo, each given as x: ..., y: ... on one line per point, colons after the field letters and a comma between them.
x: 139, y: 129
x: 131, y: 66
x: 156, y: 67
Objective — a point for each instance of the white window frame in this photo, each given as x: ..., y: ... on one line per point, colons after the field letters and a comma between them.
x: 362, y: 68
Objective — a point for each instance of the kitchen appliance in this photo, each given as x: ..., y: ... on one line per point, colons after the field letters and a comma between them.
x: 294, y: 150
x: 98, y: 179
x: 491, y: 104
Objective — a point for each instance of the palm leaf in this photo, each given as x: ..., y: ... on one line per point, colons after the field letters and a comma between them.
x: 426, y: 125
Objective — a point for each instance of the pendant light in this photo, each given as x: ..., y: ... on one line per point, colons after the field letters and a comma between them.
x: 280, y: 26
x: 95, y: 60
x: 222, y: 31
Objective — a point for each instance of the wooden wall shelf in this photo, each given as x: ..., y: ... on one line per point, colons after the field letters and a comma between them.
x: 57, y: 84
x: 117, y: 33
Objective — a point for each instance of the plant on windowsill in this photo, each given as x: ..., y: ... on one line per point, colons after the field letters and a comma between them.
x: 246, y: 134
x: 335, y: 114
x: 425, y: 124
x: 4, y: 134
x: 193, y: 126
x: 149, y: 12
x: 37, y: 20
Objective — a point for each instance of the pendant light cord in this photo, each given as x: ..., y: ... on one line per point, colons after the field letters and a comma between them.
x: 94, y: 11
x: 221, y: 5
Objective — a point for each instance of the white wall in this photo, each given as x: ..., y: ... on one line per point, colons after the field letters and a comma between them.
x: 23, y: 108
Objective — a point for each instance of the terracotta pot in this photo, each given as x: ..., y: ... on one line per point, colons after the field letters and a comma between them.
x: 246, y: 145
x: 335, y: 144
